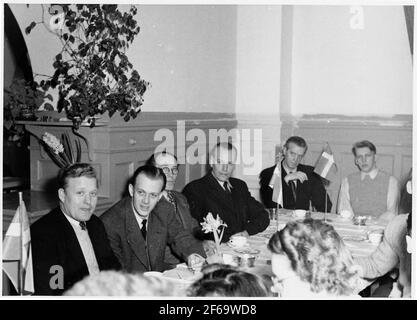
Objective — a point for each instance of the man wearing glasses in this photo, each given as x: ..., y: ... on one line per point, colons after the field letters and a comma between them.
x: 169, y: 165
x: 140, y: 227
x: 300, y: 185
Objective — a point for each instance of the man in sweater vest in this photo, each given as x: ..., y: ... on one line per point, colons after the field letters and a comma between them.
x: 371, y: 192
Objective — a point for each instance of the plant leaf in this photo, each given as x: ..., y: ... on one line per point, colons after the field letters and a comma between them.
x: 66, y: 142
x: 78, y: 149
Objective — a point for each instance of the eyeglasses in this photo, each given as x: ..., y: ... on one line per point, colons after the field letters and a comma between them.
x: 167, y: 170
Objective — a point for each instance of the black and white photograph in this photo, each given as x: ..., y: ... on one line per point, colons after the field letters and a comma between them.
x: 259, y: 151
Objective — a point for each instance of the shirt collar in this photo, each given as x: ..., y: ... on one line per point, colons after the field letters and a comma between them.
x: 287, y: 170
x: 139, y: 219
x: 371, y: 174
x: 222, y: 182
x: 73, y: 222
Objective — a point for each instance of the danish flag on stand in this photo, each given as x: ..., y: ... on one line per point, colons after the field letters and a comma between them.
x: 276, y: 185
x: 325, y: 165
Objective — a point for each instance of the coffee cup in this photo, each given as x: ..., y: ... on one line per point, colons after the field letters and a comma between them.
x: 237, y: 241
x: 272, y: 213
x: 375, y: 237
x: 246, y: 261
x: 230, y: 259
x: 300, y: 213
x: 345, y: 214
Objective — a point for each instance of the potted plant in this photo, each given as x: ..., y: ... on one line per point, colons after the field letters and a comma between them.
x: 21, y: 100
x: 92, y: 72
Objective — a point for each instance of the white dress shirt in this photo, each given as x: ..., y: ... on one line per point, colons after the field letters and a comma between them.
x: 86, y: 246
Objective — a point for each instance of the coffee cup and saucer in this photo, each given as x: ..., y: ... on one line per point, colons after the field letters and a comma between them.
x: 237, y: 242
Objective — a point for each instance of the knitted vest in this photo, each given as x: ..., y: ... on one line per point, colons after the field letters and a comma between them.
x: 369, y: 197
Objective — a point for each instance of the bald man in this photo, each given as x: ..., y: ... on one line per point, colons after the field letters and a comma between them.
x: 217, y: 192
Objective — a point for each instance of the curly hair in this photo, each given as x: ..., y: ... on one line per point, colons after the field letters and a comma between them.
x: 318, y: 256
x: 227, y: 281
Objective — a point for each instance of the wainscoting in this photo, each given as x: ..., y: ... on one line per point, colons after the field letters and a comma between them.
x: 391, y: 136
x: 117, y: 148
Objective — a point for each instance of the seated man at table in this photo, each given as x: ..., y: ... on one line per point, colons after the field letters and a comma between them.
x: 169, y: 164
x: 70, y: 242
x: 393, y: 252
x: 370, y: 191
x: 227, y: 197
x: 299, y: 184
x: 140, y: 226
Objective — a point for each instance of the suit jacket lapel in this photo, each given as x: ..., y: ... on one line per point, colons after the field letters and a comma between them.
x: 73, y: 250
x: 134, y: 236
x: 154, y: 237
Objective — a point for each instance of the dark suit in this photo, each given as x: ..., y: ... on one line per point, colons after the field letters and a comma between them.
x: 311, y: 189
x: 182, y: 212
x: 54, y: 242
x: 239, y: 210
x: 163, y: 228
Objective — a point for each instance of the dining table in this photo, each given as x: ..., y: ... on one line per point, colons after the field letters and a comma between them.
x: 355, y: 237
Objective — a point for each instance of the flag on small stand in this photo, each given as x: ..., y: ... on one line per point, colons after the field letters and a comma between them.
x: 17, y: 253
x: 325, y: 165
x: 276, y: 185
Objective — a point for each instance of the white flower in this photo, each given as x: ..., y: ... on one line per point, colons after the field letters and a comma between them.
x: 56, y: 22
x: 212, y: 225
x: 53, y: 142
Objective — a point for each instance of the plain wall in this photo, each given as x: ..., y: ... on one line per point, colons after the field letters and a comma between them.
x: 187, y: 52
x: 258, y: 59
x: 340, y: 70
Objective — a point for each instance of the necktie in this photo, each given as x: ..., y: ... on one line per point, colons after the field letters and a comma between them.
x: 143, y: 229
x: 83, y: 225
x: 171, y: 199
x: 294, y: 193
x: 226, y: 187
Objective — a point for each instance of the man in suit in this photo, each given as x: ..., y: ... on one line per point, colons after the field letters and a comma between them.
x: 140, y: 226
x: 70, y: 242
x: 227, y: 197
x: 169, y: 164
x: 299, y: 184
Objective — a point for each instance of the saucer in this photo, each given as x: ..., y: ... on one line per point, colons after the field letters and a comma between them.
x: 233, y: 246
x: 247, y: 251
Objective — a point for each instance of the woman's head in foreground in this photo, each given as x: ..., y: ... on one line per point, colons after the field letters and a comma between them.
x: 313, y: 251
x: 221, y: 280
x: 113, y: 283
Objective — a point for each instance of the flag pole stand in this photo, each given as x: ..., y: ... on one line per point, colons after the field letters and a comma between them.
x: 21, y: 245
x: 325, y: 205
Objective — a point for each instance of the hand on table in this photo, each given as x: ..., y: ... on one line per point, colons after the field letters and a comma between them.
x: 195, y: 261
x: 209, y: 247
x: 299, y: 175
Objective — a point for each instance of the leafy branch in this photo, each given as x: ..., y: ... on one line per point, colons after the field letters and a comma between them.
x: 92, y: 72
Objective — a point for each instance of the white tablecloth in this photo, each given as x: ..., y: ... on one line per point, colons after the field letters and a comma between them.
x: 354, y: 236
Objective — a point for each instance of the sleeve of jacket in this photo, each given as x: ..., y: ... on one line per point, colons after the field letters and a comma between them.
x: 265, y: 190
x: 45, y: 254
x: 181, y: 240
x: 195, y: 200
x: 114, y: 239
x: 111, y: 262
x: 384, y: 258
x: 318, y: 193
x: 258, y: 218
